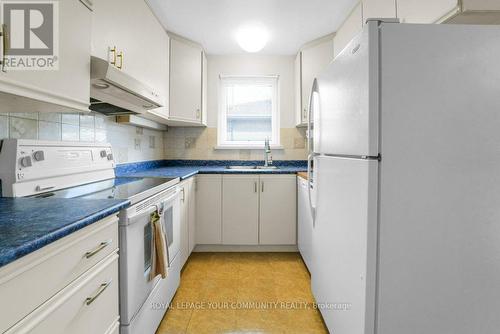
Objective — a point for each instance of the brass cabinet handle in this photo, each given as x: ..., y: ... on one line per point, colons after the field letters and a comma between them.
x: 101, y: 289
x: 255, y: 186
x: 113, y: 53
x: 99, y: 248
x: 120, y: 55
x: 5, y: 45
x: 262, y: 186
x: 183, y: 195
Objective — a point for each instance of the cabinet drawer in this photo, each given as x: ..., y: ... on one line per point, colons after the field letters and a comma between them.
x: 87, y: 305
x: 30, y: 281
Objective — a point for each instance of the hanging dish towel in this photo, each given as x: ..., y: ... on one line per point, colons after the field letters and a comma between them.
x: 159, y: 249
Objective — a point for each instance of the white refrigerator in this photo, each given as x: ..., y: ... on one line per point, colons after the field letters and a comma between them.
x: 406, y: 187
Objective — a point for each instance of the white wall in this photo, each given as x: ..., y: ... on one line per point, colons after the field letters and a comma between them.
x: 130, y: 144
x: 252, y: 64
x: 199, y: 143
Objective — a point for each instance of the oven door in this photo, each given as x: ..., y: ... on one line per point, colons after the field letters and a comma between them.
x: 135, y: 248
x: 170, y: 216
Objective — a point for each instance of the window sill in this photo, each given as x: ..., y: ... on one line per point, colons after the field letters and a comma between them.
x: 247, y: 147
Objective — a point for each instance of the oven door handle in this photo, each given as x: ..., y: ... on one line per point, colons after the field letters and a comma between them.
x: 154, y: 207
x: 148, y: 211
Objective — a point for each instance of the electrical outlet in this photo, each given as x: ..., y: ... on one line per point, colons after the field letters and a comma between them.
x: 299, y: 142
x: 190, y: 142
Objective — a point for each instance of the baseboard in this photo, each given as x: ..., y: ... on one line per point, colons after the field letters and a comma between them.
x: 246, y: 248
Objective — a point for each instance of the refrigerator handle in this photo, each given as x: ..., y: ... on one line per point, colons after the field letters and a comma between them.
x: 310, y: 139
x: 310, y: 158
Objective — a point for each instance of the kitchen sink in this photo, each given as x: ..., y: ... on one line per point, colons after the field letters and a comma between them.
x: 252, y: 167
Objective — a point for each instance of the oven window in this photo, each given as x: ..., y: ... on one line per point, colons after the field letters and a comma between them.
x: 147, y: 246
x: 168, y: 221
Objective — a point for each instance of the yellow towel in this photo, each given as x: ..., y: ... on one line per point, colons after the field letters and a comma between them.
x: 159, y: 249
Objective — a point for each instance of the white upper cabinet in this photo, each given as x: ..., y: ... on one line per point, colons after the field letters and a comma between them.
x: 187, y: 83
x: 350, y: 28
x: 240, y: 213
x: 278, y: 210
x: 424, y: 11
x: 449, y: 11
x: 65, y: 89
x: 378, y: 9
x: 309, y: 63
x: 126, y: 33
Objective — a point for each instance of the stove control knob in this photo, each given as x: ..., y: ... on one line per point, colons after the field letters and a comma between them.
x: 110, y: 156
x: 39, y: 156
x: 103, y: 154
x: 26, y: 161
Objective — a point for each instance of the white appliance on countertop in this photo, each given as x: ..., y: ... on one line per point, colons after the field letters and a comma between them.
x: 406, y: 200
x: 30, y: 168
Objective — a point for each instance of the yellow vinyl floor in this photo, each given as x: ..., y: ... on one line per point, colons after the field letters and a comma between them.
x: 243, y: 293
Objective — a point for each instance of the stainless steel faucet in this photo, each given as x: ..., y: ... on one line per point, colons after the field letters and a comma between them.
x: 268, y: 158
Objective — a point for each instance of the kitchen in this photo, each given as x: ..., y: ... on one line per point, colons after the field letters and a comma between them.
x: 276, y: 166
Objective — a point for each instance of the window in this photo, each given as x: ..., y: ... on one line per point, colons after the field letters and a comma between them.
x: 248, y: 112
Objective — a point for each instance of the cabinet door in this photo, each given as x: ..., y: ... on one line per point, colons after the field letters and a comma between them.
x: 378, y: 9
x: 192, y: 214
x: 184, y: 217
x: 350, y: 28
x: 240, y: 210
x: 424, y: 11
x: 69, y: 86
x: 131, y: 27
x: 204, y: 110
x: 315, y: 59
x: 304, y: 222
x: 185, y: 81
x: 299, y: 113
x: 278, y: 213
x: 208, y: 209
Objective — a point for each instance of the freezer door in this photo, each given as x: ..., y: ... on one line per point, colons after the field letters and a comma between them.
x: 346, y: 117
x: 344, y: 243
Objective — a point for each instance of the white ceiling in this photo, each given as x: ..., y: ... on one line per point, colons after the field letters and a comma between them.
x: 291, y: 23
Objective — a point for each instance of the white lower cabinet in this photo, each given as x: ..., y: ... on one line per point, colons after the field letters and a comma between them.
x: 76, y: 288
x: 240, y: 210
x: 188, y: 203
x: 278, y: 210
x: 209, y: 209
x: 304, y: 222
x: 246, y: 209
x: 192, y: 214
x: 88, y: 305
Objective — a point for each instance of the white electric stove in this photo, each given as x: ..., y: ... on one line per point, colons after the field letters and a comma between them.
x: 42, y: 169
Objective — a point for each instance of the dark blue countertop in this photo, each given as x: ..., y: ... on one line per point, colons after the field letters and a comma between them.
x: 187, y: 168
x: 28, y: 224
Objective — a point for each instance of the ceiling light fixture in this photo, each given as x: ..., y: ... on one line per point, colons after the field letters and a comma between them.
x: 252, y: 38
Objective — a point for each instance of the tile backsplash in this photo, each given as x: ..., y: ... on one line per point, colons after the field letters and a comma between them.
x: 200, y: 143
x: 132, y: 144
x: 129, y: 143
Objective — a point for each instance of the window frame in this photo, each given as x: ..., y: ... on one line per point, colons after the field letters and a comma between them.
x: 222, y: 142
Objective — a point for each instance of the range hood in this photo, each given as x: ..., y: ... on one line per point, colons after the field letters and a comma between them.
x: 114, y: 92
